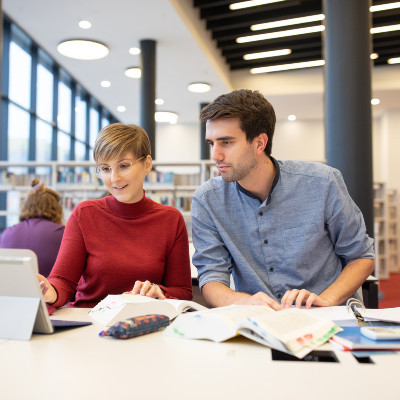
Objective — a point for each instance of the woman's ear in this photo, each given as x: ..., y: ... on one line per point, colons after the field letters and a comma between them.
x: 148, y: 162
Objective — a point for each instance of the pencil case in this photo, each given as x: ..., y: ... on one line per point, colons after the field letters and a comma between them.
x: 137, y: 326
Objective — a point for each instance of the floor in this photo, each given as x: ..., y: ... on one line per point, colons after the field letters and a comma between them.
x: 389, y: 292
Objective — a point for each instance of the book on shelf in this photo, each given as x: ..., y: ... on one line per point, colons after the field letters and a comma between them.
x: 118, y: 307
x: 292, y: 330
x: 351, y: 339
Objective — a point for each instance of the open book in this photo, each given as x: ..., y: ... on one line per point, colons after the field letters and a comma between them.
x: 292, y: 331
x: 118, y: 307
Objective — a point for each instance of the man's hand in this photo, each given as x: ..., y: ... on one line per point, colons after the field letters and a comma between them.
x: 261, y: 299
x: 302, y: 297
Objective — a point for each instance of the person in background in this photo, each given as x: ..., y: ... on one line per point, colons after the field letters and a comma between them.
x: 287, y: 231
x: 41, y: 228
x: 124, y: 242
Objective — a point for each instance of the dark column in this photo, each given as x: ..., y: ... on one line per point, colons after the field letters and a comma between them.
x: 148, y: 91
x: 204, y: 148
x: 348, y: 126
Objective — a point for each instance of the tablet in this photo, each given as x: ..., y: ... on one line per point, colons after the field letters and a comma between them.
x: 22, y: 306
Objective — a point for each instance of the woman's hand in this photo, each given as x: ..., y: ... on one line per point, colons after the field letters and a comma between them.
x: 147, y: 289
x: 303, y: 297
x: 49, y: 293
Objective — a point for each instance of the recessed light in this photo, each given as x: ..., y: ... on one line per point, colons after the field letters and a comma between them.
x: 121, y: 108
x: 251, y: 3
x: 82, y: 49
x: 375, y: 102
x: 395, y: 60
x: 84, y: 24
x: 374, y: 56
x: 159, y: 102
x: 288, y: 22
x: 134, y: 51
x: 291, y: 117
x: 286, y: 33
x: 266, y: 54
x: 105, y: 83
x: 199, y: 87
x: 387, y: 28
x: 285, y: 67
x: 383, y: 7
x: 166, y: 116
x: 133, y: 72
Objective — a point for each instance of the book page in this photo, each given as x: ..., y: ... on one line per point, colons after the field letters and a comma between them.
x: 217, y: 324
x: 382, y: 314
x: 299, y: 331
x: 333, y: 313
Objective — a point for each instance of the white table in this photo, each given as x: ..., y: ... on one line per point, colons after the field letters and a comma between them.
x: 78, y: 364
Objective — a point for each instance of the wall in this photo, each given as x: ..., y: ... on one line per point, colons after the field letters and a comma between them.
x: 300, y: 140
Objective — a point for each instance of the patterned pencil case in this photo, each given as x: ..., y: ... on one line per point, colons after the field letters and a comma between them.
x: 137, y: 326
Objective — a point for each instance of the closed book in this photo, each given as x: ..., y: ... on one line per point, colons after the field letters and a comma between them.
x: 351, y: 339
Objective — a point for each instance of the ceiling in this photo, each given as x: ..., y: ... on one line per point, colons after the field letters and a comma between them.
x: 227, y: 25
x: 186, y: 53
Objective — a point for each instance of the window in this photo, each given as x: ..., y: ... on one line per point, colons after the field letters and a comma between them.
x: 44, y: 138
x: 44, y: 97
x: 64, y: 147
x: 94, y: 125
x: 18, y: 134
x: 20, y: 76
x: 104, y: 122
x: 64, y: 107
x: 80, y: 151
x: 80, y: 118
x: 20, y: 55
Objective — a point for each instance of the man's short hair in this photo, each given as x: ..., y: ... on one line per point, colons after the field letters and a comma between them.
x: 255, y: 113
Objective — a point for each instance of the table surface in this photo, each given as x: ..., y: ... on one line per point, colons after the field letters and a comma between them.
x: 78, y: 364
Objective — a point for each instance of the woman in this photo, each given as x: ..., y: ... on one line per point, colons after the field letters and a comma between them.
x: 125, y: 241
x: 41, y: 228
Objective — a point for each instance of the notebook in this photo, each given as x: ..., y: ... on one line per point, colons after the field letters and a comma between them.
x: 22, y: 306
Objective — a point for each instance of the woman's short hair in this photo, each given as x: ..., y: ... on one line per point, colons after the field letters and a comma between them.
x: 42, y: 202
x: 115, y: 140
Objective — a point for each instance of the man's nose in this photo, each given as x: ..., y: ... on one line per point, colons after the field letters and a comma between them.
x: 216, y: 153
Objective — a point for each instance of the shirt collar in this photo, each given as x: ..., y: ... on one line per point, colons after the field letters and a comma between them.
x: 274, y: 183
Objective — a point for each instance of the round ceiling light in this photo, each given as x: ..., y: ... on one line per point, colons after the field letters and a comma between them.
x: 133, y: 72
x: 166, y: 116
x: 82, y: 49
x: 134, y: 51
x: 199, y: 87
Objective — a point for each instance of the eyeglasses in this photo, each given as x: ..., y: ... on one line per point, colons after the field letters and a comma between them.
x: 122, y: 168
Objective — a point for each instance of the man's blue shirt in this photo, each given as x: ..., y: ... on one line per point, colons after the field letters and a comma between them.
x: 301, y: 236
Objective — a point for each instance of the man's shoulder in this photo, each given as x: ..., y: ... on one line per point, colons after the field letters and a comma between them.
x: 306, y: 168
x: 213, y: 184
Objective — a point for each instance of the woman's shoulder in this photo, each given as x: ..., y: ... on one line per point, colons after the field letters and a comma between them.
x: 168, y: 210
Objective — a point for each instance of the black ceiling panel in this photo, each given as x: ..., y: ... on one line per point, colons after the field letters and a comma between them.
x: 227, y: 25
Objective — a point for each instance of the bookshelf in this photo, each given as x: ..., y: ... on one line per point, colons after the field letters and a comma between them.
x: 386, y: 230
x: 168, y: 183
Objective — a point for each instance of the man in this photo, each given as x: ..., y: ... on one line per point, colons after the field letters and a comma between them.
x: 287, y: 231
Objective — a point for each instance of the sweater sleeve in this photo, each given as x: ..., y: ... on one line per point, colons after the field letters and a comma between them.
x: 177, y: 280
x: 70, y: 262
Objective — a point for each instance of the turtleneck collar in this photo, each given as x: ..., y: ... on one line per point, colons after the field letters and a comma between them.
x: 128, y: 211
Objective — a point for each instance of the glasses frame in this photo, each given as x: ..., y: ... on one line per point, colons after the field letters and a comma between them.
x: 98, y: 170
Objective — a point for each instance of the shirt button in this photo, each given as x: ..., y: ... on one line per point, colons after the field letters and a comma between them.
x: 260, y: 213
x: 271, y: 269
x: 265, y: 241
